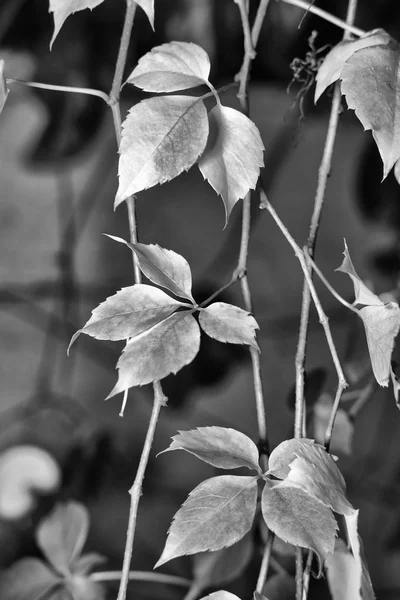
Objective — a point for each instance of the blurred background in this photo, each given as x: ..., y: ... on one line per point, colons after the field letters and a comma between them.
x: 58, y: 165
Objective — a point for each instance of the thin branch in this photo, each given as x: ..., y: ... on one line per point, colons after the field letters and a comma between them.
x: 136, y: 489
x: 307, y: 573
x: 299, y: 573
x: 330, y: 288
x: 59, y: 88
x: 326, y: 16
x: 148, y: 576
x: 262, y: 576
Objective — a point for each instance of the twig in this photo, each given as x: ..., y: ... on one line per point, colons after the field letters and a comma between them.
x: 306, y: 576
x: 262, y: 576
x: 148, y: 576
x: 326, y: 16
x: 299, y: 573
x: 59, y: 88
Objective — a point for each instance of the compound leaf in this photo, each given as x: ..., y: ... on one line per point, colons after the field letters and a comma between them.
x: 163, y: 267
x: 370, y: 82
x: 4, y: 91
x: 232, y: 160
x: 62, y: 9
x: 334, y: 62
x: 161, y: 138
x: 221, y: 447
x: 128, y: 313
x: 171, y: 67
x: 228, y: 323
x: 157, y: 352
x: 28, y: 579
x: 299, y: 519
x: 216, y: 514
x: 223, y: 566
x: 284, y: 454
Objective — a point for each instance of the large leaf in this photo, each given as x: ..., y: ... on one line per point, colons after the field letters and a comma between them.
x: 299, y: 519
x: 128, y: 313
x: 221, y: 447
x: 62, y: 9
x: 161, y: 137
x: 216, y: 514
x: 62, y: 535
x: 157, y: 352
x: 370, y: 82
x: 334, y: 62
x: 4, y: 91
x: 228, y: 323
x: 163, y: 267
x: 215, y: 568
x: 28, y: 579
x: 284, y: 454
x: 381, y: 323
x: 232, y: 160
x: 171, y: 67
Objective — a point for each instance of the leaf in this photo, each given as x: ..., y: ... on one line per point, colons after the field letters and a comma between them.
x: 161, y: 138
x: 228, y: 323
x: 4, y: 91
x: 360, y: 569
x: 362, y: 294
x: 157, y: 352
x: 223, y: 566
x: 148, y: 7
x: 343, y: 431
x: 280, y: 586
x: 84, y: 588
x: 220, y: 595
x: 86, y: 563
x: 315, y: 472
x: 163, y: 267
x: 232, y: 160
x: 128, y: 313
x: 221, y: 447
x: 62, y: 535
x: 334, y: 62
x: 62, y: 9
x: 299, y: 519
x: 216, y: 514
x: 171, y: 67
x: 370, y: 82
x: 284, y: 454
x: 341, y: 569
x: 28, y: 579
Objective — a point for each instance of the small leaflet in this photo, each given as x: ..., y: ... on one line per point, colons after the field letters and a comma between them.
x: 211, y: 569
x: 62, y: 9
x: 165, y: 348
x: 216, y: 514
x: 161, y: 138
x: 284, y: 454
x: 299, y: 519
x: 334, y: 62
x: 234, y: 155
x: 221, y: 447
x: 171, y: 67
x: 370, y: 82
x: 4, y: 91
x: 163, y: 267
x: 228, y: 323
x: 381, y: 322
x: 128, y: 313
x: 148, y: 7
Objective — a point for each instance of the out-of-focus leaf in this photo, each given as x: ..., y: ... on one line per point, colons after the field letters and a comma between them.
x: 163, y: 267
x: 223, y: 566
x: 221, y: 447
x: 157, y: 352
x: 299, y: 519
x: 28, y: 579
x: 4, y: 91
x: 360, y: 567
x: 284, y: 454
x: 171, y: 67
x: 161, y: 138
x: 128, y: 313
x: 280, y: 586
x: 220, y: 595
x: 83, y: 588
x: 341, y: 572
x: 86, y: 563
x: 343, y: 431
x: 370, y: 82
x: 25, y: 470
x: 335, y: 60
x: 216, y: 514
x: 62, y: 9
x: 148, y: 7
x: 232, y: 160
x: 228, y: 323
x: 62, y: 535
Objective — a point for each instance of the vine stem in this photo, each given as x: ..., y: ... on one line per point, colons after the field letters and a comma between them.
x: 60, y: 88
x: 326, y: 16
x: 141, y: 576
